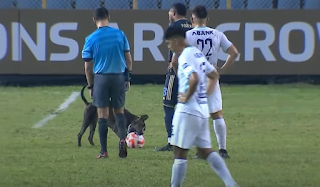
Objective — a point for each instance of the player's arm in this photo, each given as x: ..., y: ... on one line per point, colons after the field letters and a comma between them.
x: 174, y: 61
x: 213, y: 77
x: 229, y: 48
x: 192, y: 75
x: 127, y: 53
x: 87, y: 56
x: 128, y: 59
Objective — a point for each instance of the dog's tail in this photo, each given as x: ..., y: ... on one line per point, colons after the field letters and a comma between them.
x: 82, y: 95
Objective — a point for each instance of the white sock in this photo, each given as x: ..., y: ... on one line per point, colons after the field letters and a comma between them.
x: 179, y: 170
x: 169, y: 140
x: 220, y: 129
x: 219, y: 166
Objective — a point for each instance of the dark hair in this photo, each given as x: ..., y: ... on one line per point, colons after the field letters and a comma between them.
x: 174, y: 31
x: 180, y: 8
x: 101, y: 14
x: 200, y: 12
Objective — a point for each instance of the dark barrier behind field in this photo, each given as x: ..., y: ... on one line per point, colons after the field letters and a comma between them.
x: 44, y: 46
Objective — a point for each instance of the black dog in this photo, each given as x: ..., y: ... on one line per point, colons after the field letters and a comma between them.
x: 133, y: 123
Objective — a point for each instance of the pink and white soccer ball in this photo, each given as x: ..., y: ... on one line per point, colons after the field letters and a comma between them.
x: 134, y: 141
x: 140, y: 141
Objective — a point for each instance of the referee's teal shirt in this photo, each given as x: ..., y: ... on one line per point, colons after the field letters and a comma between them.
x: 106, y: 47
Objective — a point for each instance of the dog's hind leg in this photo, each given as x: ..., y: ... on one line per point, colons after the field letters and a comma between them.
x: 93, y: 126
x: 85, y: 124
x: 114, y: 128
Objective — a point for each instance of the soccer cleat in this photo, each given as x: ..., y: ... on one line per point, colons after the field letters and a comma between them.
x: 168, y: 147
x: 123, y: 149
x: 196, y: 156
x: 223, y: 153
x: 103, y: 155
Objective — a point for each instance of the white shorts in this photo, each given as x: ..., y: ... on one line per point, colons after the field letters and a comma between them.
x: 215, y: 100
x: 189, y: 130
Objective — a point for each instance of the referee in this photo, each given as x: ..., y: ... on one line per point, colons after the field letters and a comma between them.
x: 109, y: 50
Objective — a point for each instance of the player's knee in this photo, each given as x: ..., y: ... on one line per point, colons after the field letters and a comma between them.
x: 204, y: 153
x: 179, y: 153
x: 217, y: 115
x: 119, y: 110
x: 103, y: 112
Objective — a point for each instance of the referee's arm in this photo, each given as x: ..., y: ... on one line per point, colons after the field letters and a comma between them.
x: 127, y: 53
x: 87, y: 56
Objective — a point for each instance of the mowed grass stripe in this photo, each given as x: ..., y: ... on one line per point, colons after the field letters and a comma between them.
x: 272, y: 139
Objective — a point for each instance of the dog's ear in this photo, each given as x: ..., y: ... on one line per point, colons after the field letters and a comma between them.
x: 144, y: 117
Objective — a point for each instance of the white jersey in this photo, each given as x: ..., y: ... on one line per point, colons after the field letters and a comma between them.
x: 209, y: 41
x: 192, y: 60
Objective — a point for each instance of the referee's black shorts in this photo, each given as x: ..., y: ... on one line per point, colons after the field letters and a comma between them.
x: 109, y: 90
x: 170, y: 90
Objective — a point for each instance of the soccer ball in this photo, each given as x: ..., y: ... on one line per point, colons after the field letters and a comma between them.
x: 134, y: 141
x: 140, y: 141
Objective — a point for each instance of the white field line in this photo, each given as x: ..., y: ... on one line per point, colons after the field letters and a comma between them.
x: 61, y: 108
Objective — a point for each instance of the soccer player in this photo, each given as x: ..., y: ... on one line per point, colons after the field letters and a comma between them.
x: 177, y: 17
x: 190, y: 121
x: 209, y: 41
x: 109, y: 49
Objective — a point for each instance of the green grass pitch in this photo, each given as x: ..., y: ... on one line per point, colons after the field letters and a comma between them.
x: 273, y: 140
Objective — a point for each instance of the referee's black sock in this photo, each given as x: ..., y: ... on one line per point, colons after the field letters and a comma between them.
x: 103, y: 133
x: 121, y: 123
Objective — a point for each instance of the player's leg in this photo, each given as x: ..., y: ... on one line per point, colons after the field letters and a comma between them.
x: 184, y: 132
x: 118, y: 94
x: 203, y: 142
x: 179, y: 166
x: 219, y: 125
x: 101, y: 99
x: 220, y: 130
x: 169, y: 102
x: 168, y: 116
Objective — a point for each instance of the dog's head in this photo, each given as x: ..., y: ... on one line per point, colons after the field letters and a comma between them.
x: 138, y: 125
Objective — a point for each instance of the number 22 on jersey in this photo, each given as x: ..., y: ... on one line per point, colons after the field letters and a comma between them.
x: 205, y: 46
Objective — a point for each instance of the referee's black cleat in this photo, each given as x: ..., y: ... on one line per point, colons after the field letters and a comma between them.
x: 168, y: 147
x: 223, y: 153
x: 123, y: 149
